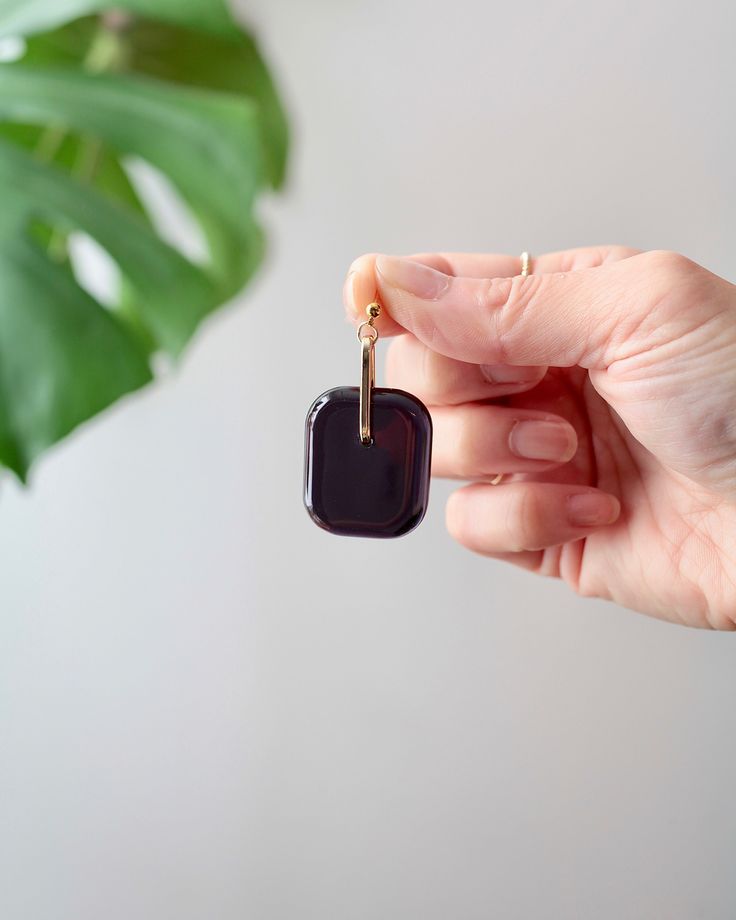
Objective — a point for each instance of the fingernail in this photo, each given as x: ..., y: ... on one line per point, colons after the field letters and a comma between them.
x: 591, y: 509
x: 537, y: 439
x: 420, y: 280
x: 507, y: 374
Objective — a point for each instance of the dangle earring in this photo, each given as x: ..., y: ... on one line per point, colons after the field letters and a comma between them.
x: 367, y: 453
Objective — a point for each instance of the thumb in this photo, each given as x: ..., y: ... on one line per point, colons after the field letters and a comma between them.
x: 588, y: 317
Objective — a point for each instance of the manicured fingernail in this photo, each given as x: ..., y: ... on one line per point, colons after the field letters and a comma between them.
x: 420, y: 280
x: 507, y: 374
x: 592, y: 509
x: 538, y: 439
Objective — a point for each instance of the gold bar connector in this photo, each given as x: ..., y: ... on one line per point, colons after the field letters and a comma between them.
x: 367, y: 335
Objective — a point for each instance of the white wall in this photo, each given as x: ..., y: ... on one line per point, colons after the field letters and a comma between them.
x: 202, y: 712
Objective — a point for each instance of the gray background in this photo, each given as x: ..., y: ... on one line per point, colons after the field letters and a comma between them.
x: 211, y: 709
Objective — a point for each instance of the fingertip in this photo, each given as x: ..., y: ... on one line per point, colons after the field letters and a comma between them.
x: 361, y: 288
x: 348, y: 296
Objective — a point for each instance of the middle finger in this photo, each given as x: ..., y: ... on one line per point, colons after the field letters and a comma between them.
x: 441, y: 381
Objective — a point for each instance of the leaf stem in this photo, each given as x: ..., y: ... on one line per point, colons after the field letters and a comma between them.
x: 108, y: 50
x: 49, y: 142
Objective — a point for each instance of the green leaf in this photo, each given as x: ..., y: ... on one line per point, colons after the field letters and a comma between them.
x: 176, y: 294
x: 178, y: 85
x: 26, y: 17
x: 230, y: 63
x: 62, y: 357
x: 218, y: 175
x: 68, y: 152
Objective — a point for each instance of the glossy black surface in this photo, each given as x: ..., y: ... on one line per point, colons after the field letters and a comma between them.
x: 367, y: 490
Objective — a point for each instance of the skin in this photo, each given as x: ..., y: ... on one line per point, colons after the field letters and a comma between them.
x: 604, y: 386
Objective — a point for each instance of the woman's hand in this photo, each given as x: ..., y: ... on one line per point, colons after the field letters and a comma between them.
x: 604, y: 386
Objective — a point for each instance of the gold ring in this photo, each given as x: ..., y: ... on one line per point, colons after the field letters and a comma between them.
x: 497, y: 479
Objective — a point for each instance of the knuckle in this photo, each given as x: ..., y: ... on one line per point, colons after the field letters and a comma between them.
x: 504, y: 301
x: 493, y: 293
x: 577, y: 258
x: 617, y: 253
x: 679, y: 288
x: 671, y: 264
x: 593, y: 256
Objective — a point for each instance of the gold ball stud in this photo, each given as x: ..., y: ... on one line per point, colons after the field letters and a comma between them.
x: 373, y: 310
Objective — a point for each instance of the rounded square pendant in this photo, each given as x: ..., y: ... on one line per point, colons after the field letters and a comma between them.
x: 378, y: 489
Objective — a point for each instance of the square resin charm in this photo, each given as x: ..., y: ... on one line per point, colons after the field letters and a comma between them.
x: 378, y: 489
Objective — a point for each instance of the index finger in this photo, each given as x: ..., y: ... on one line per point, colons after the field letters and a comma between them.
x: 361, y: 283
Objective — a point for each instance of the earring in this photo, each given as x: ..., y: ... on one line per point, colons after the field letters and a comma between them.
x: 367, y: 453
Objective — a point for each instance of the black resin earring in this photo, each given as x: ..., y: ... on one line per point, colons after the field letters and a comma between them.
x: 367, y: 454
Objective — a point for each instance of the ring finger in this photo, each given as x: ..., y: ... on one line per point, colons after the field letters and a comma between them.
x: 441, y: 381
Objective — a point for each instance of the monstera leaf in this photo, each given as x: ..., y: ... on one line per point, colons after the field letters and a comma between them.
x: 175, y: 83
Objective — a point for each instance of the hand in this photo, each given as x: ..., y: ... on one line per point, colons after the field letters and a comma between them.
x: 604, y: 383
